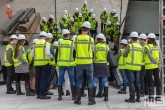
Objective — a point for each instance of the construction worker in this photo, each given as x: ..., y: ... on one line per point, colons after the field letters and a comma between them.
x: 133, y: 54
x: 66, y: 62
x: 9, y: 63
x: 43, y: 25
x: 101, y: 70
x: 94, y: 25
x: 111, y: 15
x: 32, y: 72
x: 90, y: 15
x: 108, y: 32
x: 64, y: 24
x: 153, y: 66
x: 49, y: 39
x: 73, y: 27
x: 80, y: 21
x: 50, y: 22
x: 103, y: 17
x: 142, y: 39
x: 56, y: 33
x: 75, y: 15
x: 84, y: 62
x: 122, y: 65
x: 67, y: 15
x: 116, y: 36
x: 9, y: 12
x: 21, y: 66
x: 115, y: 20
x: 84, y: 11
x: 41, y: 55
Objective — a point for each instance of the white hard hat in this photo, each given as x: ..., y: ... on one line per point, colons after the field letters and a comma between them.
x: 71, y: 19
x: 51, y: 16
x: 21, y: 37
x: 80, y: 15
x: 76, y: 9
x: 116, y: 15
x: 142, y: 36
x: 151, y: 35
x: 85, y: 2
x: 91, y: 10
x: 64, y: 16
x: 43, y: 33
x: 134, y: 34
x: 124, y: 41
x: 55, y: 43
x: 104, y: 39
x: 86, y: 24
x: 65, y: 12
x: 105, y: 9
x: 74, y: 37
x: 113, y: 11
x: 59, y: 40
x: 35, y: 40
x: 13, y: 37
x: 100, y: 35
x: 44, y: 19
x: 8, y: 6
x: 49, y: 35
x: 93, y: 16
x: 117, y: 23
x: 65, y: 31
x: 108, y: 23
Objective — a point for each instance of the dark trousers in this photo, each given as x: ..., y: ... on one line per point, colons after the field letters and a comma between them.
x: 155, y: 73
x: 19, y: 75
x: 93, y: 33
x: 41, y: 78
x: 48, y: 78
x: 10, y: 73
x: 102, y: 27
x: 142, y: 74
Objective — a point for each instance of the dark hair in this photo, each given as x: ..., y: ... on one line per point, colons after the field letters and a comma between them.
x: 142, y: 39
x: 134, y: 38
x: 66, y: 35
x: 99, y: 39
x: 19, y: 43
x: 152, y: 41
x: 125, y: 45
x: 11, y: 40
x: 85, y: 29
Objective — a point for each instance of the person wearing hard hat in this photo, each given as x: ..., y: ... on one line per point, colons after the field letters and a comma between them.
x: 73, y: 27
x: 84, y: 62
x: 21, y: 67
x: 67, y: 15
x: 9, y: 12
x: 103, y: 17
x: 32, y: 72
x: 116, y: 36
x: 143, y: 79
x: 122, y: 65
x: 80, y: 21
x: 9, y: 63
x: 42, y: 57
x: 133, y: 54
x: 64, y: 24
x: 101, y: 70
x: 115, y: 20
x: 108, y: 32
x: 43, y: 25
x: 84, y: 11
x: 94, y: 25
x: 65, y: 62
x: 50, y: 22
x: 90, y: 15
x: 56, y: 32
x: 75, y: 15
x: 111, y: 15
x: 153, y: 66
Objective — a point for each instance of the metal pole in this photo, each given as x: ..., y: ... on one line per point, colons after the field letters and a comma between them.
x: 55, y: 15
x: 120, y: 11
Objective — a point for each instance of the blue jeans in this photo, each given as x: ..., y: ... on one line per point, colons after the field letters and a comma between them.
x: 62, y: 70
x: 48, y: 78
x: 88, y: 68
x: 103, y: 82
x: 124, y: 77
x: 131, y: 75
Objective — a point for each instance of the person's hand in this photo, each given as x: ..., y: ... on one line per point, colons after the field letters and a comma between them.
x: 160, y: 69
x: 52, y: 59
x: 159, y: 63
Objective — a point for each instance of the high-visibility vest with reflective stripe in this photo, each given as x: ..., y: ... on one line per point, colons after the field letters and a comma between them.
x: 104, y: 18
x: 73, y: 27
x: 84, y: 47
x: 65, y: 53
x: 51, y: 24
x: 44, y: 26
x: 30, y: 58
x: 50, y: 62
x: 59, y: 35
x: 65, y: 24
x: 100, y: 53
x: 111, y: 18
x: 114, y: 21
x: 6, y: 62
x: 40, y: 58
x: 93, y: 24
x: 67, y: 17
x: 90, y: 17
x: 121, y: 62
x: 134, y: 58
x: 17, y: 62
x: 84, y: 12
x: 155, y: 52
x: 108, y: 32
x: 75, y: 16
x: 116, y: 34
x: 143, y: 60
x: 80, y: 22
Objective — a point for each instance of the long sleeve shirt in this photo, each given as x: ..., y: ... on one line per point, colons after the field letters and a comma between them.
x: 9, y: 54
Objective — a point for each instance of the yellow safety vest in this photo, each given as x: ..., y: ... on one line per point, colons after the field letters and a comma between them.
x: 121, y: 62
x: 67, y: 17
x: 134, y: 58
x: 84, y: 46
x: 17, y: 62
x: 116, y: 34
x: 30, y: 58
x: 93, y: 24
x: 40, y: 58
x: 84, y: 12
x: 155, y: 52
x: 104, y: 16
x: 100, y: 53
x: 65, y: 53
x: 44, y: 27
x: 59, y: 35
x: 111, y: 18
x: 75, y: 17
x: 50, y: 62
x: 108, y: 32
x: 73, y: 28
x: 6, y: 62
x: 65, y: 24
x: 80, y: 22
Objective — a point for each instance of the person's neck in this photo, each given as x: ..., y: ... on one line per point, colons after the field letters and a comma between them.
x: 66, y: 38
x: 12, y: 43
x: 84, y: 33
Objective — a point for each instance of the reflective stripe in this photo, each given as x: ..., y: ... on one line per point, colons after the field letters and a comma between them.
x: 84, y: 57
x: 100, y: 61
x: 43, y: 52
x: 65, y: 60
x: 83, y: 42
x: 133, y: 64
